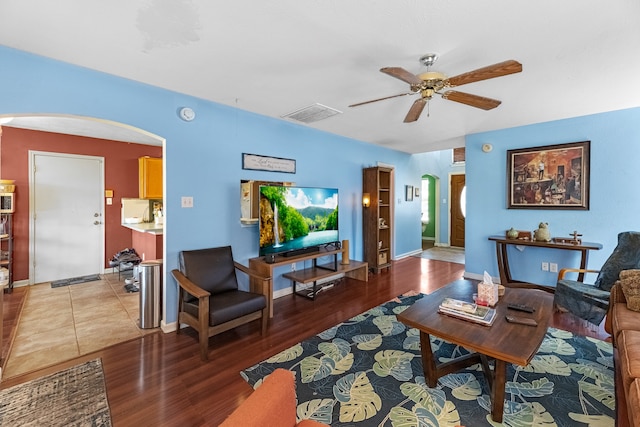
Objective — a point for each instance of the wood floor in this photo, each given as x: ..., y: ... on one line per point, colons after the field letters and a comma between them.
x: 159, y: 379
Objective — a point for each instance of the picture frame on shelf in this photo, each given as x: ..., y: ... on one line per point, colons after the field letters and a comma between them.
x: 408, y: 193
x: 549, y: 177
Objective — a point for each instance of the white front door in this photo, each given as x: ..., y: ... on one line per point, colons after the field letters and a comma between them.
x: 66, y: 221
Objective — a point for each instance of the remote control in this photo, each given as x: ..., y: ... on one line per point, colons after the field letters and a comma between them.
x: 521, y: 307
x: 521, y: 320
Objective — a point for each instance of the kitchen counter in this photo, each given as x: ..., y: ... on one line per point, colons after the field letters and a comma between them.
x: 147, y: 239
x: 146, y: 227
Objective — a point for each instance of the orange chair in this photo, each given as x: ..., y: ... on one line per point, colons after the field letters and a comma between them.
x: 273, y: 404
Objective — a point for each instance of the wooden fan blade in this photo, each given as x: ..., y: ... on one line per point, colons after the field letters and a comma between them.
x: 489, y: 72
x: 402, y: 74
x: 472, y: 100
x: 381, y: 99
x: 415, y: 110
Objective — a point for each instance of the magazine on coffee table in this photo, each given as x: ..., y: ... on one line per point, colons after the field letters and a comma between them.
x: 468, y: 311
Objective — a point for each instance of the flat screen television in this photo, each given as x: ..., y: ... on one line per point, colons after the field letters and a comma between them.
x: 297, y: 219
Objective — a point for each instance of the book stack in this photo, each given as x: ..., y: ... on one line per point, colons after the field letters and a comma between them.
x: 468, y: 311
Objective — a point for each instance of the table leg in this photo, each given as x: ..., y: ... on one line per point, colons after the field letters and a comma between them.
x: 497, y: 391
x: 428, y: 360
x: 503, y: 263
x: 583, y: 264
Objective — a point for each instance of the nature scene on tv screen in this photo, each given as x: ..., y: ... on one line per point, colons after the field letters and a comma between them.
x: 297, y: 217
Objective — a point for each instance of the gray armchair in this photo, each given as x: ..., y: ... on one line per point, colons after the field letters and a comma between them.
x: 591, y: 301
x: 209, y: 299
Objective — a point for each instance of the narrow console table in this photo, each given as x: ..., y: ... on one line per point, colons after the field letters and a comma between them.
x: 503, y: 259
x: 355, y: 269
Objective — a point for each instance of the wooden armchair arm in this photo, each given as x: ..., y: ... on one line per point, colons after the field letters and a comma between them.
x: 264, y: 281
x: 574, y: 270
x: 188, y: 285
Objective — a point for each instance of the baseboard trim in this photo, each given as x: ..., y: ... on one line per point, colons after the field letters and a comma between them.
x: 169, y: 327
x: 407, y: 255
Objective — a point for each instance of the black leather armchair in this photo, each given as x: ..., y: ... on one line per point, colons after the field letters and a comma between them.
x: 209, y: 299
x: 591, y: 301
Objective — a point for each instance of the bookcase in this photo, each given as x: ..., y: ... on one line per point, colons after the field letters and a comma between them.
x: 377, y: 219
x: 6, y: 247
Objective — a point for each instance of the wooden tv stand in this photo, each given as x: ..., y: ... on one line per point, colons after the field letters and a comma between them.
x: 355, y: 269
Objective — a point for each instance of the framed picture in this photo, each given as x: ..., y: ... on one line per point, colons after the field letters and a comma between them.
x: 408, y: 193
x: 416, y: 191
x: 549, y: 177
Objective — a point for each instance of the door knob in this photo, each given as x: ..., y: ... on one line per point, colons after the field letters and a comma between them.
x: 96, y: 223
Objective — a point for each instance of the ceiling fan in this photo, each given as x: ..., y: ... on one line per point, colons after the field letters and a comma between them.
x: 432, y: 82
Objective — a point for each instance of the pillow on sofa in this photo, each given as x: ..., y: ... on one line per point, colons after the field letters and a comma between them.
x: 625, y: 256
x: 630, y: 283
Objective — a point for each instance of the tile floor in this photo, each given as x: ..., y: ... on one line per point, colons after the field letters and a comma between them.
x: 58, y: 324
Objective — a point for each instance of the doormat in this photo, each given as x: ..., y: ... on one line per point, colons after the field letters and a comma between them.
x: 75, y: 280
x: 72, y: 397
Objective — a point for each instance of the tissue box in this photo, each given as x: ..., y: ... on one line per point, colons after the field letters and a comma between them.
x: 488, y: 292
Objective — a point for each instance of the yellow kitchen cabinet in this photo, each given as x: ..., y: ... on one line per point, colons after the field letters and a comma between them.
x: 150, y: 177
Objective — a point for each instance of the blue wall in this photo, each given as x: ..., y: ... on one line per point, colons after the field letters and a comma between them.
x: 203, y: 157
x: 614, y: 207
x: 203, y: 160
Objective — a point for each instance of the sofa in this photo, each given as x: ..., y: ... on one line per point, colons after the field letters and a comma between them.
x: 272, y: 404
x: 623, y: 324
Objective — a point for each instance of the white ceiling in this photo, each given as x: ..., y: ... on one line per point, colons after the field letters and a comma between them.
x: 273, y: 57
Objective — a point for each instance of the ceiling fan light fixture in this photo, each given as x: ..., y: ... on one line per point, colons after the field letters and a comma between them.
x: 427, y: 93
x: 430, y: 82
x: 432, y: 76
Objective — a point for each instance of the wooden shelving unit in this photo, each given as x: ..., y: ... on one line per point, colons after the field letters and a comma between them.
x: 377, y: 219
x: 6, y: 246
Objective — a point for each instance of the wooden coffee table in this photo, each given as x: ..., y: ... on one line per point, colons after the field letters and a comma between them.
x: 503, y: 341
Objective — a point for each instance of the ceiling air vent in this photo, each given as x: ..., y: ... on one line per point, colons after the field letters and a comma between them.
x: 312, y: 113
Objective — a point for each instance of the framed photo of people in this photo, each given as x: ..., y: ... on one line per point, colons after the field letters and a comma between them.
x: 549, y: 177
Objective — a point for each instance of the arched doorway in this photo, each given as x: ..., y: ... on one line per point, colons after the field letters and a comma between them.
x: 429, y: 210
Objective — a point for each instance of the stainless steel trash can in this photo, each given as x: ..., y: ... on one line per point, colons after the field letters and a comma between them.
x: 150, y: 293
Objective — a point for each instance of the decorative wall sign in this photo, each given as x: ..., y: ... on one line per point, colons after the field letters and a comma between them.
x: 549, y: 177
x: 265, y: 163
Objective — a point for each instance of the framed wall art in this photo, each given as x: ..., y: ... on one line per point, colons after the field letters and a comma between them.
x: 267, y: 163
x: 408, y: 193
x: 549, y: 177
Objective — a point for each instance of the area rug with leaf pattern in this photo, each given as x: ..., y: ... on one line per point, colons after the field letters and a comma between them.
x: 367, y: 371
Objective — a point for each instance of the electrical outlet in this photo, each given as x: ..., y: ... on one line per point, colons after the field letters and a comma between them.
x: 187, y: 202
x: 553, y: 267
x: 293, y: 267
x: 545, y: 266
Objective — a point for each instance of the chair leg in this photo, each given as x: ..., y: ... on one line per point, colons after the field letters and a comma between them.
x: 203, y: 327
x: 204, y: 345
x: 264, y: 321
